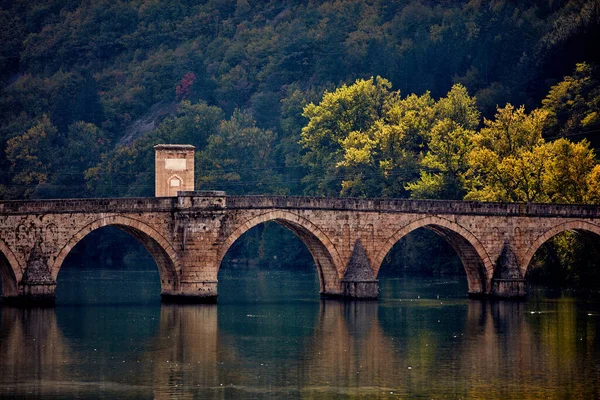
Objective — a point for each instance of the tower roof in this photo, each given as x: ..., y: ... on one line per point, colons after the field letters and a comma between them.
x: 174, y: 147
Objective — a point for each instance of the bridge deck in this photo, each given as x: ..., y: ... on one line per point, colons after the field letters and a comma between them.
x: 167, y: 204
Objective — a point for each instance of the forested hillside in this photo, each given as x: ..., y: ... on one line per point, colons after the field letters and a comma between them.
x: 484, y: 100
x: 86, y: 87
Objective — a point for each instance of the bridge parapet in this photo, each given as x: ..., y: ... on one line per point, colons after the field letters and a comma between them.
x: 219, y: 199
x: 456, y: 207
x: 79, y: 206
x: 207, y: 199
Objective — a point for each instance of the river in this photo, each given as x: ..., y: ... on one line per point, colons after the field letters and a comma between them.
x: 271, y: 336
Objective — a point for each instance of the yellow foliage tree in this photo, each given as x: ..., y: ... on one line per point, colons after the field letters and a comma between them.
x: 508, y: 161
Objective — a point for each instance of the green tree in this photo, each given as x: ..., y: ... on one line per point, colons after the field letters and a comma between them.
x: 383, y: 158
x: 48, y: 163
x: 85, y: 144
x: 573, y: 105
x: 32, y: 154
x: 378, y: 138
x: 289, y: 150
x: 349, y: 110
x: 129, y: 170
x: 445, y: 163
x: 239, y: 158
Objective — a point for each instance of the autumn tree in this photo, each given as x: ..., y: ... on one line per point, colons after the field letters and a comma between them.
x: 569, y: 176
x: 509, y: 157
x: 449, y: 143
x: 184, y: 88
x: 387, y: 139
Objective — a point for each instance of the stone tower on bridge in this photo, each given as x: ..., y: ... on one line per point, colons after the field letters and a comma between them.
x: 174, y: 166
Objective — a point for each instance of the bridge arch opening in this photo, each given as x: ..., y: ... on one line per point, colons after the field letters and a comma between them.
x: 565, y: 256
x: 123, y: 239
x: 8, y: 278
x: 467, y: 250
x: 316, y: 245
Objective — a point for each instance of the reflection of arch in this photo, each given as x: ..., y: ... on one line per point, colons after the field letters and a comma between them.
x: 161, y: 250
x: 10, y: 271
x: 320, y: 246
x: 478, y: 266
x: 32, y: 340
x: 577, y: 226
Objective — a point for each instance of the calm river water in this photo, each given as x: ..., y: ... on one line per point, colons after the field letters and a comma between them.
x: 271, y: 336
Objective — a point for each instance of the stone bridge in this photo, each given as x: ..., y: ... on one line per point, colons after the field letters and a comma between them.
x: 188, y: 236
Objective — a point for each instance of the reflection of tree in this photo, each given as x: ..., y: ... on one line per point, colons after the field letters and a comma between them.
x: 528, y: 351
x: 350, y: 354
x: 564, y: 348
x: 33, y: 351
x: 489, y: 358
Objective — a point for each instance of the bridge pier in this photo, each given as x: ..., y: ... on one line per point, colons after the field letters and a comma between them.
x: 507, y: 281
x: 34, y: 294
x: 202, y: 292
x: 359, y: 282
x: 37, y: 287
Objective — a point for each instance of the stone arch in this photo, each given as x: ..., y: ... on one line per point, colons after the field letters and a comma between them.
x: 324, y: 253
x: 476, y: 261
x: 162, y: 251
x: 11, y: 272
x: 578, y: 226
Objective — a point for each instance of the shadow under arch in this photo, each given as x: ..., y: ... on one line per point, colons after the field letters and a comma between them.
x: 10, y: 271
x: 162, y: 252
x: 581, y: 227
x: 321, y: 248
x: 474, y: 257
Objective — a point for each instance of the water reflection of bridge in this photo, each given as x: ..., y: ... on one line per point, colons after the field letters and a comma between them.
x: 34, y: 355
x: 352, y: 350
x: 420, y: 348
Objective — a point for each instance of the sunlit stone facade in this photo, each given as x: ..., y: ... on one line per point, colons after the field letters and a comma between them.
x: 174, y: 169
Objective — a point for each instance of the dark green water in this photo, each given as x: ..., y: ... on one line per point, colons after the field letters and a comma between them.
x: 271, y: 336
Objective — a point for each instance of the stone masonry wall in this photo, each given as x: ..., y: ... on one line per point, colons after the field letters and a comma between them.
x: 188, y: 236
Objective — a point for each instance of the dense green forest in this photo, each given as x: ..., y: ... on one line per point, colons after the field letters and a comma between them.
x: 483, y: 100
